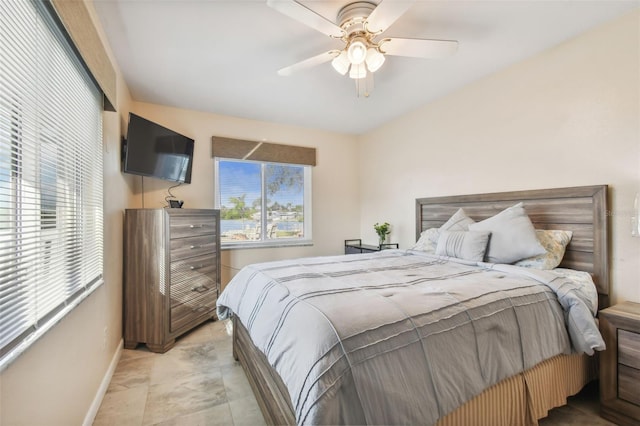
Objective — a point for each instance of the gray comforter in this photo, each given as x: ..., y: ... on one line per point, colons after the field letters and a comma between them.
x: 397, y: 337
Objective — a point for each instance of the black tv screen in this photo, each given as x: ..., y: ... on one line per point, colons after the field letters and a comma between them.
x: 153, y: 150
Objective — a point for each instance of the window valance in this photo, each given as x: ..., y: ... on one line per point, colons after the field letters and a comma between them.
x: 76, y: 19
x: 262, y: 151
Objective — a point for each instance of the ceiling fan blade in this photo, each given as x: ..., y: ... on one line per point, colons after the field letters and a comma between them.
x: 386, y: 13
x: 301, y: 13
x: 308, y: 63
x: 418, y: 48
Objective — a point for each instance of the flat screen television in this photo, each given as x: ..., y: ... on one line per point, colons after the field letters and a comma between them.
x: 153, y: 150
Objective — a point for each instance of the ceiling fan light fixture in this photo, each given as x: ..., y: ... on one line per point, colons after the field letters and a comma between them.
x: 358, y: 71
x: 374, y: 59
x: 357, y: 51
x: 341, y: 63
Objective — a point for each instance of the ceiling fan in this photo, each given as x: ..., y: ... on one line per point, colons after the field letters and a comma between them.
x: 359, y: 26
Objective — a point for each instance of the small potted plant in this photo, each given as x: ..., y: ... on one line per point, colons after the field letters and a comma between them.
x: 382, y: 230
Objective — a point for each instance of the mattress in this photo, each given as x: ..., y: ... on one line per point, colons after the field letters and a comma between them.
x: 396, y: 337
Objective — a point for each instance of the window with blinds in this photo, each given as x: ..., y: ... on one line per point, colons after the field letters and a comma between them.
x: 51, y: 214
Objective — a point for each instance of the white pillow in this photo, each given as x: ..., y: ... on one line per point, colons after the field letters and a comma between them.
x: 513, y: 237
x: 467, y: 245
x: 555, y: 243
x: 459, y: 221
x: 425, y: 242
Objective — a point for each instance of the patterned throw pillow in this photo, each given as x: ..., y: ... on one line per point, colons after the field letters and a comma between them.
x: 555, y: 243
x: 425, y: 242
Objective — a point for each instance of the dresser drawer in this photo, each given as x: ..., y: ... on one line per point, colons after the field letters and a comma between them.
x: 628, y: 379
x: 187, y: 269
x: 191, y: 288
x: 193, y: 246
x: 629, y: 348
x: 191, y: 225
x: 193, y: 303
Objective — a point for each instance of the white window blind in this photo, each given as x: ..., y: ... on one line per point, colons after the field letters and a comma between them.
x: 51, y: 203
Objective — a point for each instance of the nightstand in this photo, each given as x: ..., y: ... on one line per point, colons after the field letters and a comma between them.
x: 620, y: 364
x: 356, y: 246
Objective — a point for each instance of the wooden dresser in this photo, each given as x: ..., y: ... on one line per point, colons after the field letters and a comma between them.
x: 620, y: 364
x: 171, y: 274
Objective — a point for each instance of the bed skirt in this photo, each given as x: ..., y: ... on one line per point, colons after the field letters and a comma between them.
x: 517, y: 401
x: 524, y: 398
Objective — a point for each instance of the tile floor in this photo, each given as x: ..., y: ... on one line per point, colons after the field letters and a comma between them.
x: 199, y: 383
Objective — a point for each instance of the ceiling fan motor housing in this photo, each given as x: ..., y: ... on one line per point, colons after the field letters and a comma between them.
x: 353, y: 16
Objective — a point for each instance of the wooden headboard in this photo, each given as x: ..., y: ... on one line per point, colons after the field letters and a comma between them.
x: 581, y: 209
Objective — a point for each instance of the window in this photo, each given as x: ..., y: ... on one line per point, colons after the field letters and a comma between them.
x: 51, y: 244
x: 263, y: 203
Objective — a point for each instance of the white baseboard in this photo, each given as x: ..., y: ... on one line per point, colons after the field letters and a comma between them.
x: 104, y: 385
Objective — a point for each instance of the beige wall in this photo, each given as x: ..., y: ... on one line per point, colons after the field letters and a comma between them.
x: 335, y: 207
x: 56, y: 381
x: 567, y: 117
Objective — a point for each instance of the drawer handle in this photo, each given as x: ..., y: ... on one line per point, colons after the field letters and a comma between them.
x: 199, y: 309
x: 200, y: 289
x: 202, y: 225
x: 195, y: 268
x: 194, y: 247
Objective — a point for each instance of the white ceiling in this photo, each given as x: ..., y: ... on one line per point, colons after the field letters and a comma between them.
x: 221, y: 56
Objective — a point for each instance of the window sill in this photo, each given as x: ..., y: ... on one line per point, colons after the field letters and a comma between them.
x: 265, y: 244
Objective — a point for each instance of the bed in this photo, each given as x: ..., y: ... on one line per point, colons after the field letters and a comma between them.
x: 541, y: 379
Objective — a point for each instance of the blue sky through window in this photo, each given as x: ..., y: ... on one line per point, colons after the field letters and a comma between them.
x: 237, y: 178
x: 241, y: 177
